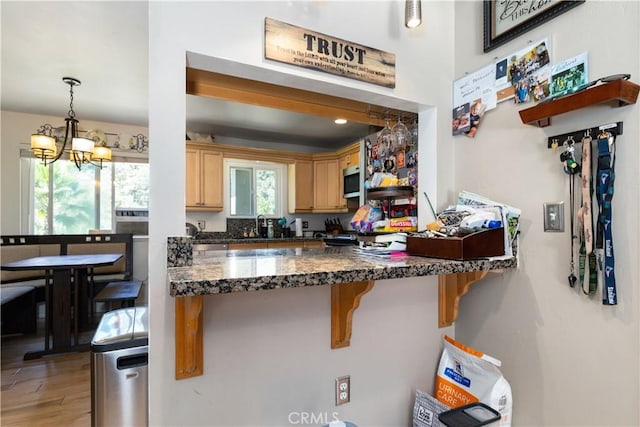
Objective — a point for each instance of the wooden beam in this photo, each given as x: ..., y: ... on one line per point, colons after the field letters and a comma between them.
x: 236, y: 89
x: 188, y: 336
x: 345, y: 298
x: 450, y: 288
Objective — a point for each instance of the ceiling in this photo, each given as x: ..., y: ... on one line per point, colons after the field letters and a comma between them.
x: 106, y: 48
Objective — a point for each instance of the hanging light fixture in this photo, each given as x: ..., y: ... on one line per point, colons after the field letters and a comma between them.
x: 83, y: 150
x: 412, y: 13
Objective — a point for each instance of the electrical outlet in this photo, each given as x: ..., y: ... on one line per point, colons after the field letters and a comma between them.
x: 202, y: 224
x: 305, y: 224
x: 343, y: 390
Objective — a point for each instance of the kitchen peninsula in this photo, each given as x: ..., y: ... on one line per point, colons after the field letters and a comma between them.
x: 350, y: 273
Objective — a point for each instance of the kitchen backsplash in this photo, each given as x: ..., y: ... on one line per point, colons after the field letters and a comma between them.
x: 237, y: 227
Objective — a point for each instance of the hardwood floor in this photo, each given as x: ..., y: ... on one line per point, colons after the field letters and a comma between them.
x: 50, y: 391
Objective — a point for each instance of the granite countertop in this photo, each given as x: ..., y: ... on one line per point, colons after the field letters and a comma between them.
x: 261, y: 269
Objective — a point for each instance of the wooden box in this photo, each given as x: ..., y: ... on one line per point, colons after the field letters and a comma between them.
x: 481, y: 244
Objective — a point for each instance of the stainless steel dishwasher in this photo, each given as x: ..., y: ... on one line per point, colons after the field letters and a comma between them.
x: 119, y: 359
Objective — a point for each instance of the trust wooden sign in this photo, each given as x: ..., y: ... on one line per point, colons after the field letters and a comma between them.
x: 308, y: 49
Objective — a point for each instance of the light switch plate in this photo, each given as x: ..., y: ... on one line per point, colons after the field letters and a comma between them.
x: 554, y: 216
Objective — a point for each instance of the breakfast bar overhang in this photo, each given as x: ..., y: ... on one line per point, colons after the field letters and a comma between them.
x: 350, y: 273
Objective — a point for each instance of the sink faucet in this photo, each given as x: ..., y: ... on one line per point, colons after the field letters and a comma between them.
x: 264, y: 224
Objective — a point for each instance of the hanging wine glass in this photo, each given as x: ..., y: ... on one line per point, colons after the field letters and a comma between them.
x: 413, y: 131
x: 385, y: 139
x: 401, y: 135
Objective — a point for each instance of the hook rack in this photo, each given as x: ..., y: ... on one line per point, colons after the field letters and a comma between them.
x: 615, y: 128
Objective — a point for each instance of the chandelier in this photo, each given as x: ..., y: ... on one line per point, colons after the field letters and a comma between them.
x: 82, y: 150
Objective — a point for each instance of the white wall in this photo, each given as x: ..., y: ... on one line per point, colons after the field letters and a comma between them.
x: 15, y: 134
x: 267, y: 353
x: 570, y: 360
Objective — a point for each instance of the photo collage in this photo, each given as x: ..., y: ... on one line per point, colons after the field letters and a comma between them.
x: 383, y: 155
x: 526, y: 76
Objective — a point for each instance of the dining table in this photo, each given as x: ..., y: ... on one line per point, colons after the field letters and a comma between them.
x: 67, y: 277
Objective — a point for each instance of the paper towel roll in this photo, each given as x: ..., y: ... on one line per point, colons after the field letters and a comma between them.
x: 298, y: 227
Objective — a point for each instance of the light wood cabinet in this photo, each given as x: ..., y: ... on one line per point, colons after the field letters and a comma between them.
x: 314, y: 244
x: 327, y: 180
x: 351, y: 158
x: 276, y: 244
x: 285, y: 244
x: 348, y: 159
x: 301, y: 189
x: 258, y: 245
x: 203, y: 179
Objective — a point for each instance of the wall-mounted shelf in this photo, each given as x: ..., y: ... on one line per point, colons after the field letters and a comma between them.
x: 618, y: 92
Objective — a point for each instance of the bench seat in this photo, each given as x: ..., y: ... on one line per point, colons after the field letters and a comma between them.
x: 125, y: 293
x: 10, y: 293
x: 18, y: 310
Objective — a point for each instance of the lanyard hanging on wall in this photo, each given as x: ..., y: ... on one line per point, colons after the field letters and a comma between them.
x: 585, y: 219
x: 604, y: 191
x: 571, y: 168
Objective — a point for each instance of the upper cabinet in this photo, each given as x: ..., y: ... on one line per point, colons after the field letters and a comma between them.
x: 203, y: 179
x: 350, y: 158
x: 300, y: 177
x: 327, y: 178
x: 315, y: 181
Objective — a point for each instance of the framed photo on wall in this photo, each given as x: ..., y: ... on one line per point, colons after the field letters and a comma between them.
x: 505, y: 20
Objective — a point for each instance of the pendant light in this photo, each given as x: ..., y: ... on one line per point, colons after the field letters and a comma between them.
x: 412, y: 13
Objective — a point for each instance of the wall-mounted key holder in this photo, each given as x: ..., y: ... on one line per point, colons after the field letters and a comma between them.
x: 577, y: 135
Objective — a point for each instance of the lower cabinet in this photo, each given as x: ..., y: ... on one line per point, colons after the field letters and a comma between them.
x: 278, y: 244
x: 314, y: 244
x: 247, y: 246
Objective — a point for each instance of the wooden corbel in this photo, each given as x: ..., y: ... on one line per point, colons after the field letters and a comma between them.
x: 188, y: 336
x: 450, y: 288
x: 345, y: 298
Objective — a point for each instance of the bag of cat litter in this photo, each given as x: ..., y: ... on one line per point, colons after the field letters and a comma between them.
x: 466, y: 375
x: 426, y: 410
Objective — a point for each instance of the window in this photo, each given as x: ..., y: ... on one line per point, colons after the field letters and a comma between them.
x: 65, y: 200
x: 255, y: 188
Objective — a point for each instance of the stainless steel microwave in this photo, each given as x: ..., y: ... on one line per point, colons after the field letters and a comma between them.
x: 351, y: 177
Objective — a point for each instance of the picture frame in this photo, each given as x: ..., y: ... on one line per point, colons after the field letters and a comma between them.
x: 505, y: 20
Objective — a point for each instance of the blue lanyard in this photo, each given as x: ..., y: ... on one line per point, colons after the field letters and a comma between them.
x: 604, y: 241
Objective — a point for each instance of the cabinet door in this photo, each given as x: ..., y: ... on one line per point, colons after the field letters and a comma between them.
x: 245, y: 246
x: 192, y: 194
x: 301, y: 186
x: 203, y: 180
x: 314, y: 244
x: 321, y: 185
x: 211, y: 179
x: 286, y: 244
x: 354, y: 158
x: 334, y: 184
x: 350, y: 159
x: 327, y: 183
